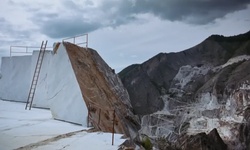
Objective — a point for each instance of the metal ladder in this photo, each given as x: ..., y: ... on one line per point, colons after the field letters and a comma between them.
x: 36, y: 75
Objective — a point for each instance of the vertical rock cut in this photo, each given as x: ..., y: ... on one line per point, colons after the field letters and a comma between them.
x: 103, y: 91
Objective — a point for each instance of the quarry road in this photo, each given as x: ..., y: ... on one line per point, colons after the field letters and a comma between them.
x: 36, y: 129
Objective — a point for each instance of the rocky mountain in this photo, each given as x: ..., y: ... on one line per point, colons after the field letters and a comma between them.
x: 195, y: 90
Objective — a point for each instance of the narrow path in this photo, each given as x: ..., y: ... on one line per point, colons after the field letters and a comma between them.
x: 53, y: 139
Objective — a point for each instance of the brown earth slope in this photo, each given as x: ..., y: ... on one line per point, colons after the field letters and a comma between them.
x: 102, y: 91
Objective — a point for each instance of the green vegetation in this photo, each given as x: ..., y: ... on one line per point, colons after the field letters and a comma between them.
x: 146, y: 143
x: 164, y: 144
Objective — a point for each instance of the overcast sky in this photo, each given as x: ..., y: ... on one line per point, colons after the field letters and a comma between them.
x: 123, y: 32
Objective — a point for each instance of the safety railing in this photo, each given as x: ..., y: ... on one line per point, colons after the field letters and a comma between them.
x: 22, y: 50
x: 80, y: 40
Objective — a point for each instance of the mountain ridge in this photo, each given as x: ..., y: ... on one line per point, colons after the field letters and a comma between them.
x: 195, y: 91
x: 164, y: 66
x: 213, y: 37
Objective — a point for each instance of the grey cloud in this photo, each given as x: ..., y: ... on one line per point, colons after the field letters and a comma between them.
x: 116, y: 13
x: 68, y: 28
x: 40, y: 17
x: 7, y: 29
x: 58, y: 27
x: 63, y: 24
x: 189, y: 11
x: 2, y: 21
x: 4, y: 24
x: 71, y: 5
x: 89, y: 2
x: 11, y: 36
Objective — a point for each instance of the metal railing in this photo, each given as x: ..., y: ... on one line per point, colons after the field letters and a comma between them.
x: 24, y: 49
x: 78, y: 40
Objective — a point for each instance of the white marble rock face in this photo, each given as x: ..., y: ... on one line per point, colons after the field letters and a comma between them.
x: 64, y: 95
x: 57, y: 87
x: 15, y: 78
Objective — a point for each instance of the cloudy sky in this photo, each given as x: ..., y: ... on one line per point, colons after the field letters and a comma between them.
x: 123, y: 32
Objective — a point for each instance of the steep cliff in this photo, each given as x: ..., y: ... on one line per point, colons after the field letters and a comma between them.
x: 202, y: 88
x: 103, y: 92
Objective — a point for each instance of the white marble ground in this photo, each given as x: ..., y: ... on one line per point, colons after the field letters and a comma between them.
x: 20, y: 127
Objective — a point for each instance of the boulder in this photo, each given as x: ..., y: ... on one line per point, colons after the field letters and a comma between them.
x: 203, y: 141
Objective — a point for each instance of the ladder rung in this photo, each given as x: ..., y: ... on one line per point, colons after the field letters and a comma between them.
x: 36, y: 74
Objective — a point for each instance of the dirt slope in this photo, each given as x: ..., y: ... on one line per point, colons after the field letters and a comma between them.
x: 102, y: 91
